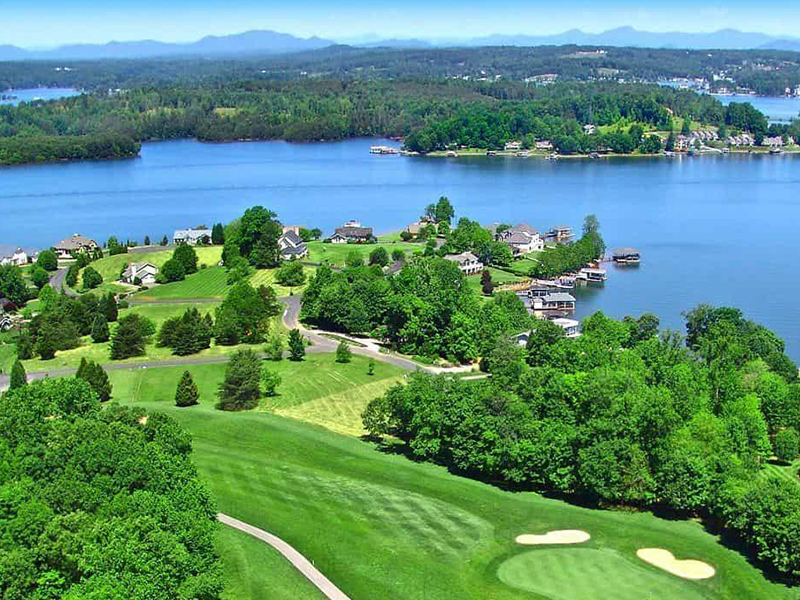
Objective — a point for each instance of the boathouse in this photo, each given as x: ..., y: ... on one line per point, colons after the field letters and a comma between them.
x: 626, y: 256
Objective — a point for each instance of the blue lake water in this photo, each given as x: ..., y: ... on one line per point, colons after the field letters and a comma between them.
x: 718, y: 229
x: 28, y: 95
x: 776, y: 109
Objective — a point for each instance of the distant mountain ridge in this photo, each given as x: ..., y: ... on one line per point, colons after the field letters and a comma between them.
x: 272, y: 42
x: 249, y: 42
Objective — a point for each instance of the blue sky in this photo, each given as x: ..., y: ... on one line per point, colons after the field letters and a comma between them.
x: 47, y: 23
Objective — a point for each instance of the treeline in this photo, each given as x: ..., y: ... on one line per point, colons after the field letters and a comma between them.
x: 51, y: 148
x: 100, y: 503
x: 625, y: 416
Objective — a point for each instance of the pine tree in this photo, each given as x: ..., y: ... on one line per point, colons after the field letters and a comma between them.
x: 96, y: 377
x: 147, y: 240
x: 45, y: 347
x: 18, y: 376
x: 487, y: 285
x: 108, y: 306
x: 297, y: 345
x: 241, y: 388
x: 371, y: 367
x: 100, y: 331
x: 343, y: 352
x: 164, y: 241
x: 187, y: 394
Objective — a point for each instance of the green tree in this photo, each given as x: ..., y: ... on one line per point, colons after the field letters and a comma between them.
x: 45, y: 347
x: 218, y: 234
x: 147, y: 240
x: 40, y: 277
x: 18, y: 376
x: 241, y: 388
x: 100, y: 332
x: 591, y: 225
x: 487, y: 285
x: 172, y: 270
x: 274, y: 348
x: 290, y: 274
x: 187, y: 257
x: 257, y: 238
x: 91, y: 278
x: 96, y: 377
x: 444, y: 211
x: 354, y: 259
x: 47, y: 260
x: 130, y: 337
x: 297, y: 345
x: 186, y: 394
x: 109, y: 308
x: 398, y: 254
x: 343, y: 352
x: 270, y: 380
x: 379, y: 256
x: 371, y: 367
x: 686, y: 128
x: 787, y: 445
x: 244, y: 316
x: 12, y: 285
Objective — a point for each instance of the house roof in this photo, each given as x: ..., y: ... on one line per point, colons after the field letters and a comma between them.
x: 559, y: 297
x: 518, y: 237
x: 191, y: 234
x: 462, y: 258
x: 291, y: 237
x: 523, y: 228
x: 565, y: 323
x: 7, y: 251
x: 294, y: 250
x: 75, y: 242
x: 129, y: 270
x: 357, y: 232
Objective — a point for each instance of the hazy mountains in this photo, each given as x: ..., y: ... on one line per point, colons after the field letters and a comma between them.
x: 250, y: 42
x: 271, y: 42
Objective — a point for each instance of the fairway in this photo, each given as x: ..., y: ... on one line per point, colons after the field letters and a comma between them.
x: 110, y: 266
x: 591, y: 574
x: 336, y: 254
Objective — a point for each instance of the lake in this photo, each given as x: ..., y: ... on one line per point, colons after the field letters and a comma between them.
x: 28, y: 95
x: 776, y: 109
x: 718, y: 229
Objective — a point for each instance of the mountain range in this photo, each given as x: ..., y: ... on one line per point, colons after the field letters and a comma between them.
x: 271, y: 42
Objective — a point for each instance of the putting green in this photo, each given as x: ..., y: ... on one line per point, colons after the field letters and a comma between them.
x: 590, y: 574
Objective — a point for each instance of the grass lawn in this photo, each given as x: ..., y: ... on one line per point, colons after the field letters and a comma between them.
x: 213, y: 283
x: 498, y: 277
x: 256, y: 571
x: 8, y: 352
x: 382, y: 526
x: 335, y: 254
x: 110, y: 266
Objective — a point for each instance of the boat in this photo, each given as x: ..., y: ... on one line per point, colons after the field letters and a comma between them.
x: 383, y: 150
x: 552, y: 156
x: 775, y: 150
x: 627, y: 256
x: 523, y: 154
x: 591, y: 275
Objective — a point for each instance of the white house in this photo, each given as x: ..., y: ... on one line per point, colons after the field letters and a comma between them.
x: 191, y: 236
x: 291, y: 245
x: 15, y: 256
x: 77, y: 243
x: 522, y: 239
x: 467, y: 262
x: 140, y: 274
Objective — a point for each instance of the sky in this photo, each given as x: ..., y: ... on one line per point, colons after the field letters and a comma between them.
x: 49, y: 23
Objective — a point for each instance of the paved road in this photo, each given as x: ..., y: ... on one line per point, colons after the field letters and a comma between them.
x: 57, y: 282
x: 299, y: 562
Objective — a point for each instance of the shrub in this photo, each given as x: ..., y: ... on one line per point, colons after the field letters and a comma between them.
x: 39, y: 277
x: 787, y: 445
x: 186, y: 394
x: 274, y: 348
x: 343, y: 352
x: 96, y: 377
x: 290, y: 274
x: 100, y: 331
x: 18, y: 376
x: 270, y: 381
x: 47, y: 260
x: 297, y: 345
x: 241, y: 388
x: 91, y: 278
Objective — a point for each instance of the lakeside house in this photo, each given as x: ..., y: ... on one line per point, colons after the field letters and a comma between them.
x: 73, y: 245
x: 571, y: 327
x: 140, y: 274
x: 521, y: 239
x: 192, y: 237
x: 14, y: 255
x: 352, y: 232
x: 626, y: 255
x: 416, y: 228
x: 589, y: 129
x: 291, y: 245
x: 513, y: 146
x: 293, y: 228
x: 544, y: 145
x: 467, y: 262
x: 553, y: 301
x: 591, y: 275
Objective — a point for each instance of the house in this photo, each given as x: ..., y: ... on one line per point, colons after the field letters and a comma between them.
x: 591, y: 275
x: 192, y: 237
x: 589, y: 129
x: 140, y: 274
x: 522, y: 239
x: 467, y: 262
x: 570, y: 326
x: 72, y: 245
x: 513, y: 146
x: 5, y: 322
x: 416, y: 228
x: 544, y: 145
x: 352, y: 231
x: 626, y: 256
x: 560, y: 232
x: 292, y: 246
x: 293, y: 228
x: 554, y: 301
x: 11, y: 255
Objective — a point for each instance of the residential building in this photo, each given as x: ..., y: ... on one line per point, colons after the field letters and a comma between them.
x: 544, y: 145
x: 140, y: 274
x: 415, y: 228
x: 589, y: 129
x: 560, y: 232
x: 352, y: 231
x: 570, y: 326
x: 513, y: 146
x: 192, y: 237
x: 467, y: 262
x: 554, y: 301
x: 11, y: 255
x: 293, y: 228
x: 292, y: 246
x: 77, y: 243
x: 522, y: 239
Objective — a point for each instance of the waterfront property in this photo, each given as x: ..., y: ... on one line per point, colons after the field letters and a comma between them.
x: 467, y: 262
x: 352, y: 232
x: 571, y: 327
x: 414, y: 229
x: 521, y: 239
x: 554, y: 301
x: 192, y: 237
x: 291, y: 245
x: 14, y: 255
x: 626, y: 256
x: 73, y: 245
x: 140, y: 274
x: 591, y: 275
x: 560, y: 233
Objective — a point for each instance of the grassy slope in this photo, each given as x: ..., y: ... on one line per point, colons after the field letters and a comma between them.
x: 255, y: 571
x: 336, y: 254
x: 213, y: 283
x: 381, y: 526
x: 498, y: 277
x: 110, y: 266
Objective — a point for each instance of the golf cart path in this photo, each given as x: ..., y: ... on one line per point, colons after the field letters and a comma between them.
x: 299, y: 562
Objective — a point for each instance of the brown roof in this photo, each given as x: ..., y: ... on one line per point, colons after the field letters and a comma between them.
x: 355, y: 232
x: 75, y: 242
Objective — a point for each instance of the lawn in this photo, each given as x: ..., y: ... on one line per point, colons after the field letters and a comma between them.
x: 110, y: 266
x: 212, y: 283
x: 336, y: 254
x: 498, y: 277
x: 381, y: 526
x: 8, y: 351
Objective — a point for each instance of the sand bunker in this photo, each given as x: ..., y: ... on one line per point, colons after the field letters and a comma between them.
x: 563, y: 536
x: 664, y: 559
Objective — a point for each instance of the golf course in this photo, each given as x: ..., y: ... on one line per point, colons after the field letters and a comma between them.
x: 381, y: 526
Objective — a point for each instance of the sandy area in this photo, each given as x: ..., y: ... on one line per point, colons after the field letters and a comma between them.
x: 563, y: 536
x: 664, y: 559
